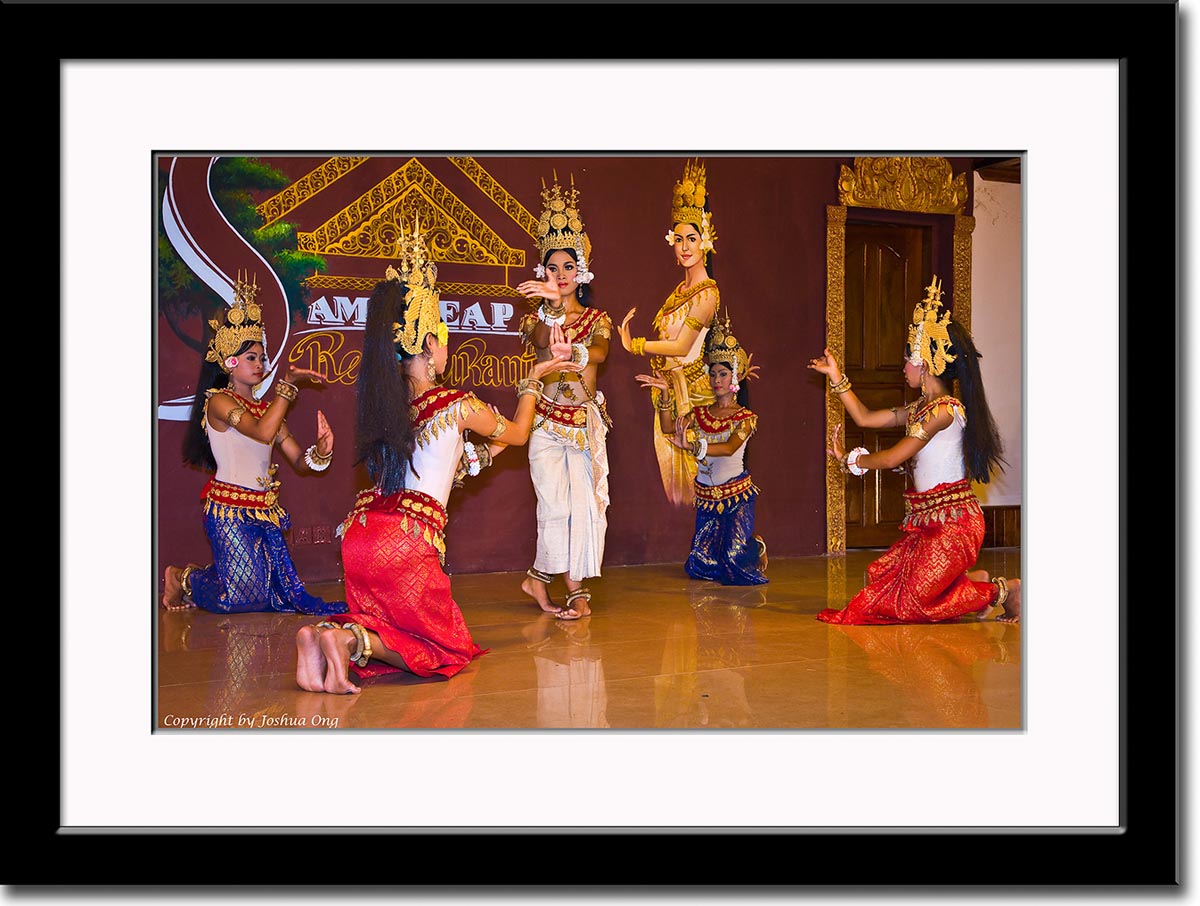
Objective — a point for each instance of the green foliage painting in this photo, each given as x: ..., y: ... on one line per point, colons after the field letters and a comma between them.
x: 182, y: 295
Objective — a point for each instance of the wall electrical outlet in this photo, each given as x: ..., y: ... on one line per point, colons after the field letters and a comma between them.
x: 321, y: 534
x: 304, y: 535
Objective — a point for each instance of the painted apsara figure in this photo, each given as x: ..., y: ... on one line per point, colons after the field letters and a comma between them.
x: 681, y: 325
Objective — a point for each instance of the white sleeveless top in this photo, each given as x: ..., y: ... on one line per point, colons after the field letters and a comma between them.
x: 439, y: 441
x: 715, y: 470
x: 241, y: 460
x: 941, y: 459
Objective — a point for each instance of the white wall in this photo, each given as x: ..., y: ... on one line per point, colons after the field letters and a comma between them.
x: 996, y: 323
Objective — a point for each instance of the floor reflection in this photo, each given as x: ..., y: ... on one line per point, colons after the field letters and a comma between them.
x: 936, y: 670
x: 701, y: 683
x: 570, y: 680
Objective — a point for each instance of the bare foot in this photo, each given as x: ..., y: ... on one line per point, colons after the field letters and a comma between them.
x: 335, y: 645
x: 578, y: 603
x: 540, y: 593
x: 310, y: 661
x: 1012, y: 604
x: 762, y: 553
x: 982, y: 575
x: 172, y: 598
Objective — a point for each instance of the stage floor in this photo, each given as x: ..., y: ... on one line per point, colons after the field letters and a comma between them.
x: 659, y: 652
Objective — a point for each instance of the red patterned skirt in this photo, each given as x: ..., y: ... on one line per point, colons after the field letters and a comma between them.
x: 395, y: 585
x: 922, y: 577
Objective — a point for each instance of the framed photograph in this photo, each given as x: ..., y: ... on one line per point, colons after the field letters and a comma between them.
x: 1085, y: 794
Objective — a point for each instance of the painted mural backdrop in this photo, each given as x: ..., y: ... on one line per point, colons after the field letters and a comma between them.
x: 316, y: 234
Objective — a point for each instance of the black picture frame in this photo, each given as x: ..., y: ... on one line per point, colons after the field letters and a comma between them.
x: 1144, y: 852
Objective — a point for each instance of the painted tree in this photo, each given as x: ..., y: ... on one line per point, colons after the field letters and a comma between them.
x: 182, y: 295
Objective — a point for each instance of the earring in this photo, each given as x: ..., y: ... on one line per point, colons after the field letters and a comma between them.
x: 430, y: 371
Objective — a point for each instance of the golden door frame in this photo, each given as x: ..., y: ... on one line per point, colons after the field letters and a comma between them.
x: 924, y: 185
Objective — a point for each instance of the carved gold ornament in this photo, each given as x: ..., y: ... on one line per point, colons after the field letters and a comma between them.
x: 925, y: 184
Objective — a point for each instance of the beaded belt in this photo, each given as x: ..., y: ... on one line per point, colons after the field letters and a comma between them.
x: 947, y: 502
x: 717, y: 497
x: 420, y: 514
x: 570, y: 416
x: 230, y: 501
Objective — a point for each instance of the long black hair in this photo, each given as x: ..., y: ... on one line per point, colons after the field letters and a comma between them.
x: 196, y: 449
x: 983, y: 450
x: 384, y: 440
x: 585, y: 289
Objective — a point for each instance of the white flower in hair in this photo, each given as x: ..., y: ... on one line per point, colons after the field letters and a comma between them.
x: 540, y: 272
x: 670, y: 237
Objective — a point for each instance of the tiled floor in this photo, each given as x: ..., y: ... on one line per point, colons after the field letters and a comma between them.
x: 659, y: 652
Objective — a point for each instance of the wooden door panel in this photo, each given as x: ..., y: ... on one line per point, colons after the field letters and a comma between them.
x: 887, y: 267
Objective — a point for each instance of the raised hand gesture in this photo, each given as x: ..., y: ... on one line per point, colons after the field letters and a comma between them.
x: 623, y: 330
x: 651, y: 382
x: 547, y: 289
x: 557, y: 363
x: 827, y: 365
x: 324, y: 435
x: 837, y: 450
x: 560, y: 346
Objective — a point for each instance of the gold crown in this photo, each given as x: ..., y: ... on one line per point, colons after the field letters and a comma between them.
x: 687, y: 204
x: 928, y: 338
x: 724, y: 348
x: 422, y: 310
x: 243, y: 322
x: 561, y: 226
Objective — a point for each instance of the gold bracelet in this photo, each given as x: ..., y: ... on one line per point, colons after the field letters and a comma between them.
x: 670, y: 402
x: 638, y: 345
x: 841, y: 386
x: 287, y: 390
x: 530, y: 385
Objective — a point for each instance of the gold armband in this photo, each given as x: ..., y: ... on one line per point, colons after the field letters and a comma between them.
x: 917, y: 431
x: 693, y: 323
x: 235, y: 416
x: 501, y: 427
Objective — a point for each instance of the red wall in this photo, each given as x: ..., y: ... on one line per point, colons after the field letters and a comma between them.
x: 769, y: 215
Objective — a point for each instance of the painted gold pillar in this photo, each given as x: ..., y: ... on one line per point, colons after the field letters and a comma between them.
x: 835, y: 334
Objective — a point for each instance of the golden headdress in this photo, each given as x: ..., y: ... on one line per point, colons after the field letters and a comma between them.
x: 243, y: 322
x: 928, y: 338
x: 723, y: 347
x: 561, y: 227
x: 687, y: 206
x: 422, y: 309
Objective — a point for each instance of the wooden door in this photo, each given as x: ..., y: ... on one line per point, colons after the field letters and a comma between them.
x: 887, y: 268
